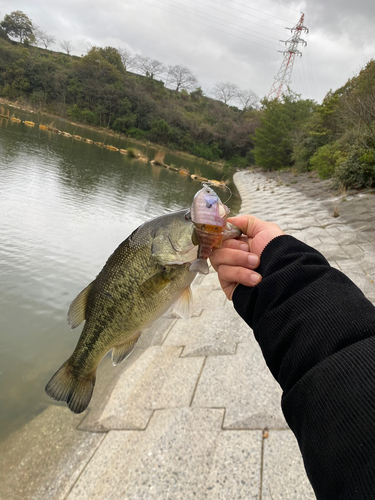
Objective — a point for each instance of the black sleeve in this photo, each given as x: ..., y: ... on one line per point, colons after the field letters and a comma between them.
x: 316, y: 330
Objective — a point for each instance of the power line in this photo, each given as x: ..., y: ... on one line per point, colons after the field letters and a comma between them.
x: 238, y: 17
x: 208, y: 26
x: 256, y: 10
x: 210, y: 18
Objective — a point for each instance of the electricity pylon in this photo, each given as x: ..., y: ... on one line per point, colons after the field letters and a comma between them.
x: 283, y: 78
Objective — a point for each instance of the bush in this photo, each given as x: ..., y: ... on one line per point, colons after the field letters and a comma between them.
x: 237, y: 162
x: 75, y: 113
x: 209, y: 152
x: 325, y: 159
x: 358, y: 169
x: 124, y: 123
x: 136, y: 133
x: 132, y: 152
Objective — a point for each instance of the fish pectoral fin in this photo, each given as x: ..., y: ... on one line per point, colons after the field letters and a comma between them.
x: 154, y: 284
x: 184, y: 303
x: 77, y: 309
x: 123, y: 351
x: 199, y: 266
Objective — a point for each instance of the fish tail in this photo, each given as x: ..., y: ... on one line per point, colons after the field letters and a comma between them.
x: 66, y: 386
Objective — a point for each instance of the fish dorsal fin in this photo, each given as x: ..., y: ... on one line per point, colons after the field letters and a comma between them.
x: 184, y: 303
x: 77, y: 309
x: 123, y: 351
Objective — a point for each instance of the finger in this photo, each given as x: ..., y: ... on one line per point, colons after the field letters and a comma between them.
x: 233, y: 257
x: 237, y: 274
x: 228, y: 288
x: 238, y: 244
x: 244, y: 222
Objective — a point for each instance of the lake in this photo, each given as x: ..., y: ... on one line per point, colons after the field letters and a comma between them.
x: 65, y: 205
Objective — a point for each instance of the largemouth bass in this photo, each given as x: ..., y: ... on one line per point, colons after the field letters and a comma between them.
x: 144, y: 276
x: 209, y: 216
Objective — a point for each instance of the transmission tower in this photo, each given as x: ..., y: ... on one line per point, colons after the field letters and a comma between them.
x: 283, y: 78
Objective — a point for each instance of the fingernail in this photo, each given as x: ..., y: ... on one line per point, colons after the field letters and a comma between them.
x: 255, y: 278
x: 253, y: 260
x: 244, y: 247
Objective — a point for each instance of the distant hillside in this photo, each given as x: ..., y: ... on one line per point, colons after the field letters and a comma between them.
x: 97, y: 90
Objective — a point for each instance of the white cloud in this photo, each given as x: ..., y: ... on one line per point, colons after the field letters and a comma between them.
x: 221, y: 40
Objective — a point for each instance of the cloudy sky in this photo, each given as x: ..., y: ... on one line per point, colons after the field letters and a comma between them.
x: 220, y: 40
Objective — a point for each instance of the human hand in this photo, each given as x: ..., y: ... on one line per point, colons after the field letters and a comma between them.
x: 236, y: 259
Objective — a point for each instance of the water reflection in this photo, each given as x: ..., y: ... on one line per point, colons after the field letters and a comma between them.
x: 65, y: 205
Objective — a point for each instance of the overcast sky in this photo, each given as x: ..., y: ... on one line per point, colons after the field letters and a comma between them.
x: 220, y: 40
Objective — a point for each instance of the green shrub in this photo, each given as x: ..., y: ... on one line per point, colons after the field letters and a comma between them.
x: 358, y: 169
x: 325, y: 160
x: 237, y: 162
x: 209, y: 152
x: 131, y: 152
x: 124, y: 123
x: 136, y: 133
x: 75, y: 113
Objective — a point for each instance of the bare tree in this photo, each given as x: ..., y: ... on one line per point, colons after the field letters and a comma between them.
x: 127, y: 58
x: 182, y: 78
x: 247, y: 99
x: 67, y: 46
x: 225, y: 91
x: 44, y: 38
x: 148, y: 67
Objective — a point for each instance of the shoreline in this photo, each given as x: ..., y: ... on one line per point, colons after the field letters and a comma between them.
x: 27, y: 108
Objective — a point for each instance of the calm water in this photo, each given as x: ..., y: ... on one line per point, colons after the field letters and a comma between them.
x: 65, y: 205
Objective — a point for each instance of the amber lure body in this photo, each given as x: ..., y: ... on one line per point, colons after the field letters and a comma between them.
x: 209, y: 216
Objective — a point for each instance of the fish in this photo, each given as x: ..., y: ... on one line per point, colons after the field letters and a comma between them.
x: 144, y: 276
x: 209, y: 216
x: 148, y: 273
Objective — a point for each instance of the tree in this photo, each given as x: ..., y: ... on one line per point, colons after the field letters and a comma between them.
x: 44, y: 38
x: 113, y: 56
x: 127, y: 58
x: 18, y: 25
x: 67, y: 46
x: 225, y: 91
x: 247, y: 99
x: 148, y: 67
x: 274, y: 138
x: 182, y: 78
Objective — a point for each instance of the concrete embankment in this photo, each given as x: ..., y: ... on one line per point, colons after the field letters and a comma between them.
x: 195, y: 412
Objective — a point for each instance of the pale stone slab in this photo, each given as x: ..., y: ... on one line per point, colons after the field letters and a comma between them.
x: 216, y: 332
x: 178, y: 457
x: 332, y: 252
x: 235, y: 472
x: 43, y: 459
x: 284, y: 476
x: 243, y: 385
x: 159, y: 378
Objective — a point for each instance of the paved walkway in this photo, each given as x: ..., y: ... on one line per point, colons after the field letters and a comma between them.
x: 195, y: 413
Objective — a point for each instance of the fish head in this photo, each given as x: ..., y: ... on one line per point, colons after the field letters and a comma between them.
x: 172, y: 241
x: 208, y: 209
